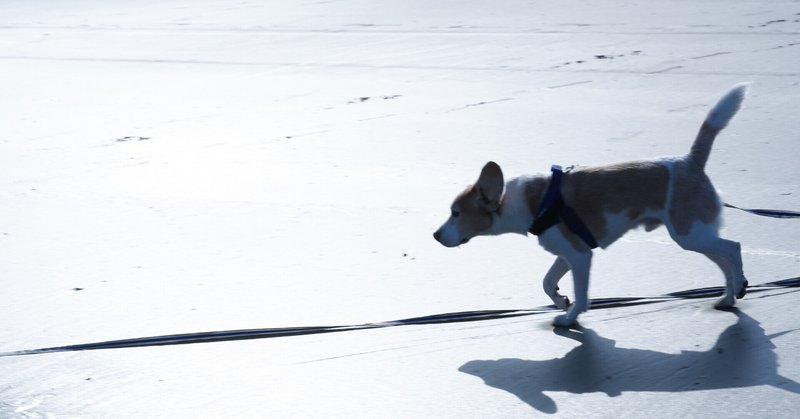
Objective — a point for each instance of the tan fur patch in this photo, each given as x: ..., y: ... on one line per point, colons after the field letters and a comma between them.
x: 473, y: 214
x: 693, y: 198
x: 630, y: 187
x: 534, y: 192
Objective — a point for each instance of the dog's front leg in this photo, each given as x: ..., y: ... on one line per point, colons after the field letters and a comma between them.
x: 550, y: 283
x: 579, y: 263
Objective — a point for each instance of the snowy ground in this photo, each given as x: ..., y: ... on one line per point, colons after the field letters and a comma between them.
x: 182, y: 166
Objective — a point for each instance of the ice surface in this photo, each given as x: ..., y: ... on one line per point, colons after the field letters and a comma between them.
x: 185, y: 166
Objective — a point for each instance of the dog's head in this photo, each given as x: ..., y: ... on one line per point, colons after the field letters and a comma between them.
x: 473, y: 211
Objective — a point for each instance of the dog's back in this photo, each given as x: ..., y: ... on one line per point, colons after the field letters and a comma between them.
x: 615, y: 198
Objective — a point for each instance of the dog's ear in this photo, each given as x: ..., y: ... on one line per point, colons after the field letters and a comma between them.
x: 490, y: 185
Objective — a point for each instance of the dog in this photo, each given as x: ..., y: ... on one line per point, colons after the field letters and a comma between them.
x: 574, y: 211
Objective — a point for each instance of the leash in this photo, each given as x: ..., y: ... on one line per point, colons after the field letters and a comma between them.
x: 767, y: 212
x: 455, y: 317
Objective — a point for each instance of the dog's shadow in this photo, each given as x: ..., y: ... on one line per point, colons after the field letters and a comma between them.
x: 743, y: 356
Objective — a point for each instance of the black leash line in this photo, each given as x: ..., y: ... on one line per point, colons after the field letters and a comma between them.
x: 463, y: 316
x: 456, y: 317
x: 767, y: 212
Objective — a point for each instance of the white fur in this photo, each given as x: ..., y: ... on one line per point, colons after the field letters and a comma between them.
x: 516, y: 217
x: 617, y: 224
x: 550, y: 282
x: 727, y: 107
x: 576, y: 261
x: 704, y: 238
x: 568, y: 260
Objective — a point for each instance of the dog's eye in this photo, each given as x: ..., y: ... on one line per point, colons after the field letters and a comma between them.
x: 454, y: 213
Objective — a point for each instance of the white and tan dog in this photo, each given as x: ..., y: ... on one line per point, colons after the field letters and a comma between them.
x: 608, y: 201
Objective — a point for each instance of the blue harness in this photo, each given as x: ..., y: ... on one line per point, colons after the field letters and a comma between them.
x: 553, y: 210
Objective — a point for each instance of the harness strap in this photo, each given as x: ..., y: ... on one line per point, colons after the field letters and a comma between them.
x: 553, y: 210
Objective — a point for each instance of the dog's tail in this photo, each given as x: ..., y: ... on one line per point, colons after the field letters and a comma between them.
x: 716, y: 120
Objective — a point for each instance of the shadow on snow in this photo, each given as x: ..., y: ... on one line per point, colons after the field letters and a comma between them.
x: 742, y: 356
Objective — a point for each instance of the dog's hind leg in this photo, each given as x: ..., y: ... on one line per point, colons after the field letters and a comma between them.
x: 580, y: 264
x: 550, y: 283
x: 726, y: 254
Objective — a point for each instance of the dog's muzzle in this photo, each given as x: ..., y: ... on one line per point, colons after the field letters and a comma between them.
x: 442, y: 238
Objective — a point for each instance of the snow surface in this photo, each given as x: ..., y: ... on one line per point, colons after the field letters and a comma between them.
x: 182, y: 166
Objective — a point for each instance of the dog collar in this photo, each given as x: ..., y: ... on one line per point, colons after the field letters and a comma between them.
x: 553, y: 210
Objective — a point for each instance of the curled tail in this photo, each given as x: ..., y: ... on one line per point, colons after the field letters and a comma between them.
x: 716, y: 120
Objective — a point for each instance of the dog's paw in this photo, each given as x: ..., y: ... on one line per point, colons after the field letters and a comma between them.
x: 561, y: 302
x: 563, y: 321
x: 725, y: 303
x: 742, y: 291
